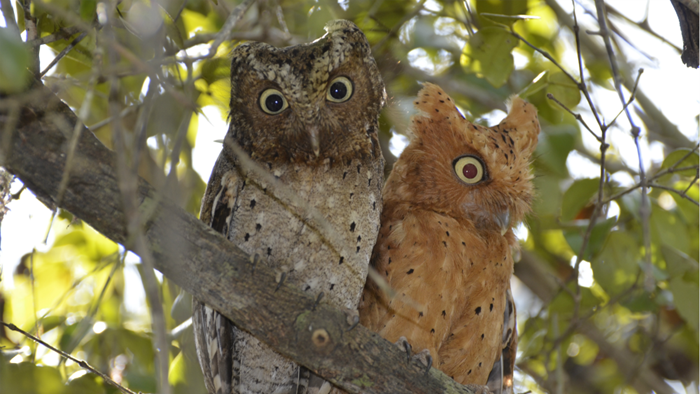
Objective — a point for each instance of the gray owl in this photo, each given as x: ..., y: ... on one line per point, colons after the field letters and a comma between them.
x: 307, y: 115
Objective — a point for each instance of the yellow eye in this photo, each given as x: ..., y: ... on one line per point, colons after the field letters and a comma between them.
x: 340, y: 90
x: 272, y: 101
x: 469, y: 169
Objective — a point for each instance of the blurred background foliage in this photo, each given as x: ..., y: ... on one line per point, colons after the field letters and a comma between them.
x: 611, y: 316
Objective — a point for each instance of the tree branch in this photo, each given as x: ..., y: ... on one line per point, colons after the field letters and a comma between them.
x: 202, y: 261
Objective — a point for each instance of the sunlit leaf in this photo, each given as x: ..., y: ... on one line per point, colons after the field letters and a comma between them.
x: 588, y: 350
x: 680, y: 158
x: 539, y: 83
x: 512, y: 7
x: 215, y: 69
x: 27, y: 378
x: 491, y: 49
x: 564, y: 90
x: 174, y: 30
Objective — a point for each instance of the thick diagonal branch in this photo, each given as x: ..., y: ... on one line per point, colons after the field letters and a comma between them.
x: 201, y: 261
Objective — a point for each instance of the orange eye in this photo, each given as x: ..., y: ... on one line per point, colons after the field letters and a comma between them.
x: 469, y: 169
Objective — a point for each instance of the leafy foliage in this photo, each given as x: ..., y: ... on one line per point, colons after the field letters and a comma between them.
x: 608, y: 298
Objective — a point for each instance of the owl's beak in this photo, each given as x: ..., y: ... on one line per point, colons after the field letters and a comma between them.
x: 315, y: 142
x: 502, y: 219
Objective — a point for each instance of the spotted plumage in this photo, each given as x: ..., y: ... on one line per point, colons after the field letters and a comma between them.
x: 445, y: 246
x: 305, y: 118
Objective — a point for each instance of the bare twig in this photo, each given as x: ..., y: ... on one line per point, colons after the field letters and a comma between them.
x: 418, y: 8
x: 63, y: 53
x: 81, y: 363
x: 644, y: 25
x: 231, y: 22
x: 559, y: 356
x: 31, y: 278
x: 582, y: 85
x: 75, y: 284
x: 661, y: 128
x: 128, y: 189
x: 9, y: 16
x: 32, y: 34
x: 673, y: 168
x: 122, y: 114
x: 645, y: 209
x: 680, y: 193
x: 575, y: 115
x: 631, y: 99
x: 62, y: 34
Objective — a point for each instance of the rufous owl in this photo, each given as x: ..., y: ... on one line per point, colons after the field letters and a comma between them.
x: 306, y: 115
x: 446, y: 241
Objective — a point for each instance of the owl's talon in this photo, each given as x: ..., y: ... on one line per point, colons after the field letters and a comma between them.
x: 355, y: 322
x: 403, y: 344
x: 478, y: 389
x: 282, y: 278
x: 318, y: 300
x: 254, y: 261
x: 425, y: 359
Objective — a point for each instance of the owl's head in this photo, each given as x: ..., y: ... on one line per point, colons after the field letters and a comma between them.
x: 307, y: 103
x: 467, y: 171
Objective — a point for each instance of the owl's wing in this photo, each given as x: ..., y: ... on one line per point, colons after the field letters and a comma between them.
x: 501, y: 377
x: 214, y: 333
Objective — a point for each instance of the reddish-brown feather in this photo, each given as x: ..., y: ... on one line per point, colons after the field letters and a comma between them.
x: 439, y: 247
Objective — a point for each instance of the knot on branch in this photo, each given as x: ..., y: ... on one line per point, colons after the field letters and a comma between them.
x: 320, y: 338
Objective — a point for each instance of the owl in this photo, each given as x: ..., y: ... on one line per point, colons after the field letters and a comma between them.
x: 306, y: 117
x: 445, y: 245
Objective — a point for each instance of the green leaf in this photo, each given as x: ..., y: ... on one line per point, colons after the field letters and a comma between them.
x: 540, y: 82
x: 86, y: 384
x: 14, y: 76
x: 174, y: 29
x: 215, y: 69
x: 511, y: 7
x: 676, y: 160
x: 87, y: 10
x: 667, y: 228
x: 20, y: 16
x: 615, y: 269
x: 490, y: 48
x: 641, y: 301
x: 28, y: 378
x: 564, y: 90
x: 677, y: 262
x: 685, y: 296
x: 51, y: 322
x: 595, y: 241
x: 554, y: 147
x: 577, y: 196
x: 563, y: 304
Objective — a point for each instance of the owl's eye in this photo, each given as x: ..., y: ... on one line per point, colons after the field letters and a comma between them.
x: 340, y: 90
x: 469, y: 169
x: 273, y: 102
